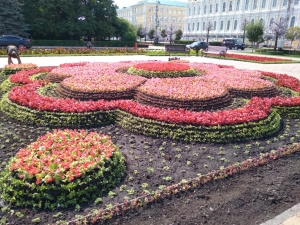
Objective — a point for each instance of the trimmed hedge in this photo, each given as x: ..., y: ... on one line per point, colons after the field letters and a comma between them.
x: 221, y: 134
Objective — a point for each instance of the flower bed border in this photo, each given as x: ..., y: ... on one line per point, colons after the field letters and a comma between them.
x: 184, y: 186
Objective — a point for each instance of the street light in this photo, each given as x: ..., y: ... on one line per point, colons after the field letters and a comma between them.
x: 156, y: 23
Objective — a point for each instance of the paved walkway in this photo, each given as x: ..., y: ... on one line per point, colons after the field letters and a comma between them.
x: 289, y: 217
x: 290, y: 69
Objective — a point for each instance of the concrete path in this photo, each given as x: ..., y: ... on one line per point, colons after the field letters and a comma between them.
x: 289, y: 217
x: 290, y: 69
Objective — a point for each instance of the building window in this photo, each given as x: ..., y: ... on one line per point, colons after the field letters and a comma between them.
x: 193, y: 27
x: 237, y: 5
x: 189, y: 29
x: 224, y: 6
x: 255, y: 4
x: 215, y: 25
x: 151, y: 18
x: 205, y: 9
x: 247, y: 5
x: 261, y: 22
x: 271, y: 23
x: 198, y: 25
x: 235, y: 25
x: 150, y: 9
x: 194, y: 13
x: 292, y: 22
x: 274, y: 3
x: 296, y: 2
x: 203, y: 25
x: 210, y: 8
x: 199, y: 10
x: 263, y: 4
x: 284, y: 2
x: 189, y: 11
x: 221, y: 26
x: 217, y: 6
x: 228, y: 24
x: 230, y: 6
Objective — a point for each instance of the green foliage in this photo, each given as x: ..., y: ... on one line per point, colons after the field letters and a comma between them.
x: 66, y: 19
x: 254, y: 31
x: 178, y: 35
x: 151, y: 34
x: 161, y: 74
x: 26, y: 193
x: 12, y: 19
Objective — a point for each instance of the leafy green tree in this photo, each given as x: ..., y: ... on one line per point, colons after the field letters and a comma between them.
x: 178, y: 35
x: 292, y: 34
x: 151, y: 34
x: 163, y: 33
x: 125, y: 30
x: 141, y: 32
x: 70, y: 19
x: 254, y: 32
x: 12, y: 19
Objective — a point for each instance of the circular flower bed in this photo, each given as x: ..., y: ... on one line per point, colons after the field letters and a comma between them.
x: 62, y: 169
x: 195, y: 93
x: 100, y: 86
x: 162, y: 69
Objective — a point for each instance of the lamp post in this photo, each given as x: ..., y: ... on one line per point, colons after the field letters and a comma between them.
x: 156, y: 22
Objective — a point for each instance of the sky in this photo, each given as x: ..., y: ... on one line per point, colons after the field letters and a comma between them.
x: 126, y: 3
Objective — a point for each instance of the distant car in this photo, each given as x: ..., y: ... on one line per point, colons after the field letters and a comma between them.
x: 198, y: 45
x: 17, y: 41
x: 233, y: 43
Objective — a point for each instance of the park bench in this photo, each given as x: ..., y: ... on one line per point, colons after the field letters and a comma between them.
x: 219, y: 50
x: 176, y: 48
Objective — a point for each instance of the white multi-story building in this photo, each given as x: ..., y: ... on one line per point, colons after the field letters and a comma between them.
x: 226, y: 16
x: 153, y: 14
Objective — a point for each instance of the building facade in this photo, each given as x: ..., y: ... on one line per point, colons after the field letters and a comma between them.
x: 151, y: 14
x: 226, y: 16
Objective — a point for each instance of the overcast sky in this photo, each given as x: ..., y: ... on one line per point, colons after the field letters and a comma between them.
x: 126, y: 3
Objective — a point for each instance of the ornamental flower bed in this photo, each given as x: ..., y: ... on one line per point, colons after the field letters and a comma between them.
x: 100, y: 86
x: 256, y: 59
x: 13, y: 68
x: 162, y: 69
x: 164, y: 122
x: 156, y: 168
x: 62, y: 169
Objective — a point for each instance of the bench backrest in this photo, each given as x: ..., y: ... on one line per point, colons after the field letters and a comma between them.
x: 216, y: 48
x: 175, y: 47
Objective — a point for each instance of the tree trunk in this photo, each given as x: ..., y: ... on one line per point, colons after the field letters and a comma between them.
x: 275, y: 46
x: 244, y: 36
x: 207, y: 36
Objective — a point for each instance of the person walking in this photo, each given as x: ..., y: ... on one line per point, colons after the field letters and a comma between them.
x: 12, y: 52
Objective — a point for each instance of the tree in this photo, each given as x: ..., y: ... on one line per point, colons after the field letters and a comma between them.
x: 70, y: 19
x: 278, y: 28
x: 12, y: 19
x: 178, y: 35
x: 254, y: 32
x: 244, y: 24
x: 139, y: 32
x: 163, y: 33
x: 171, y: 31
x: 292, y: 34
x: 142, y: 32
x: 151, y: 34
x: 208, y: 28
x: 125, y: 30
